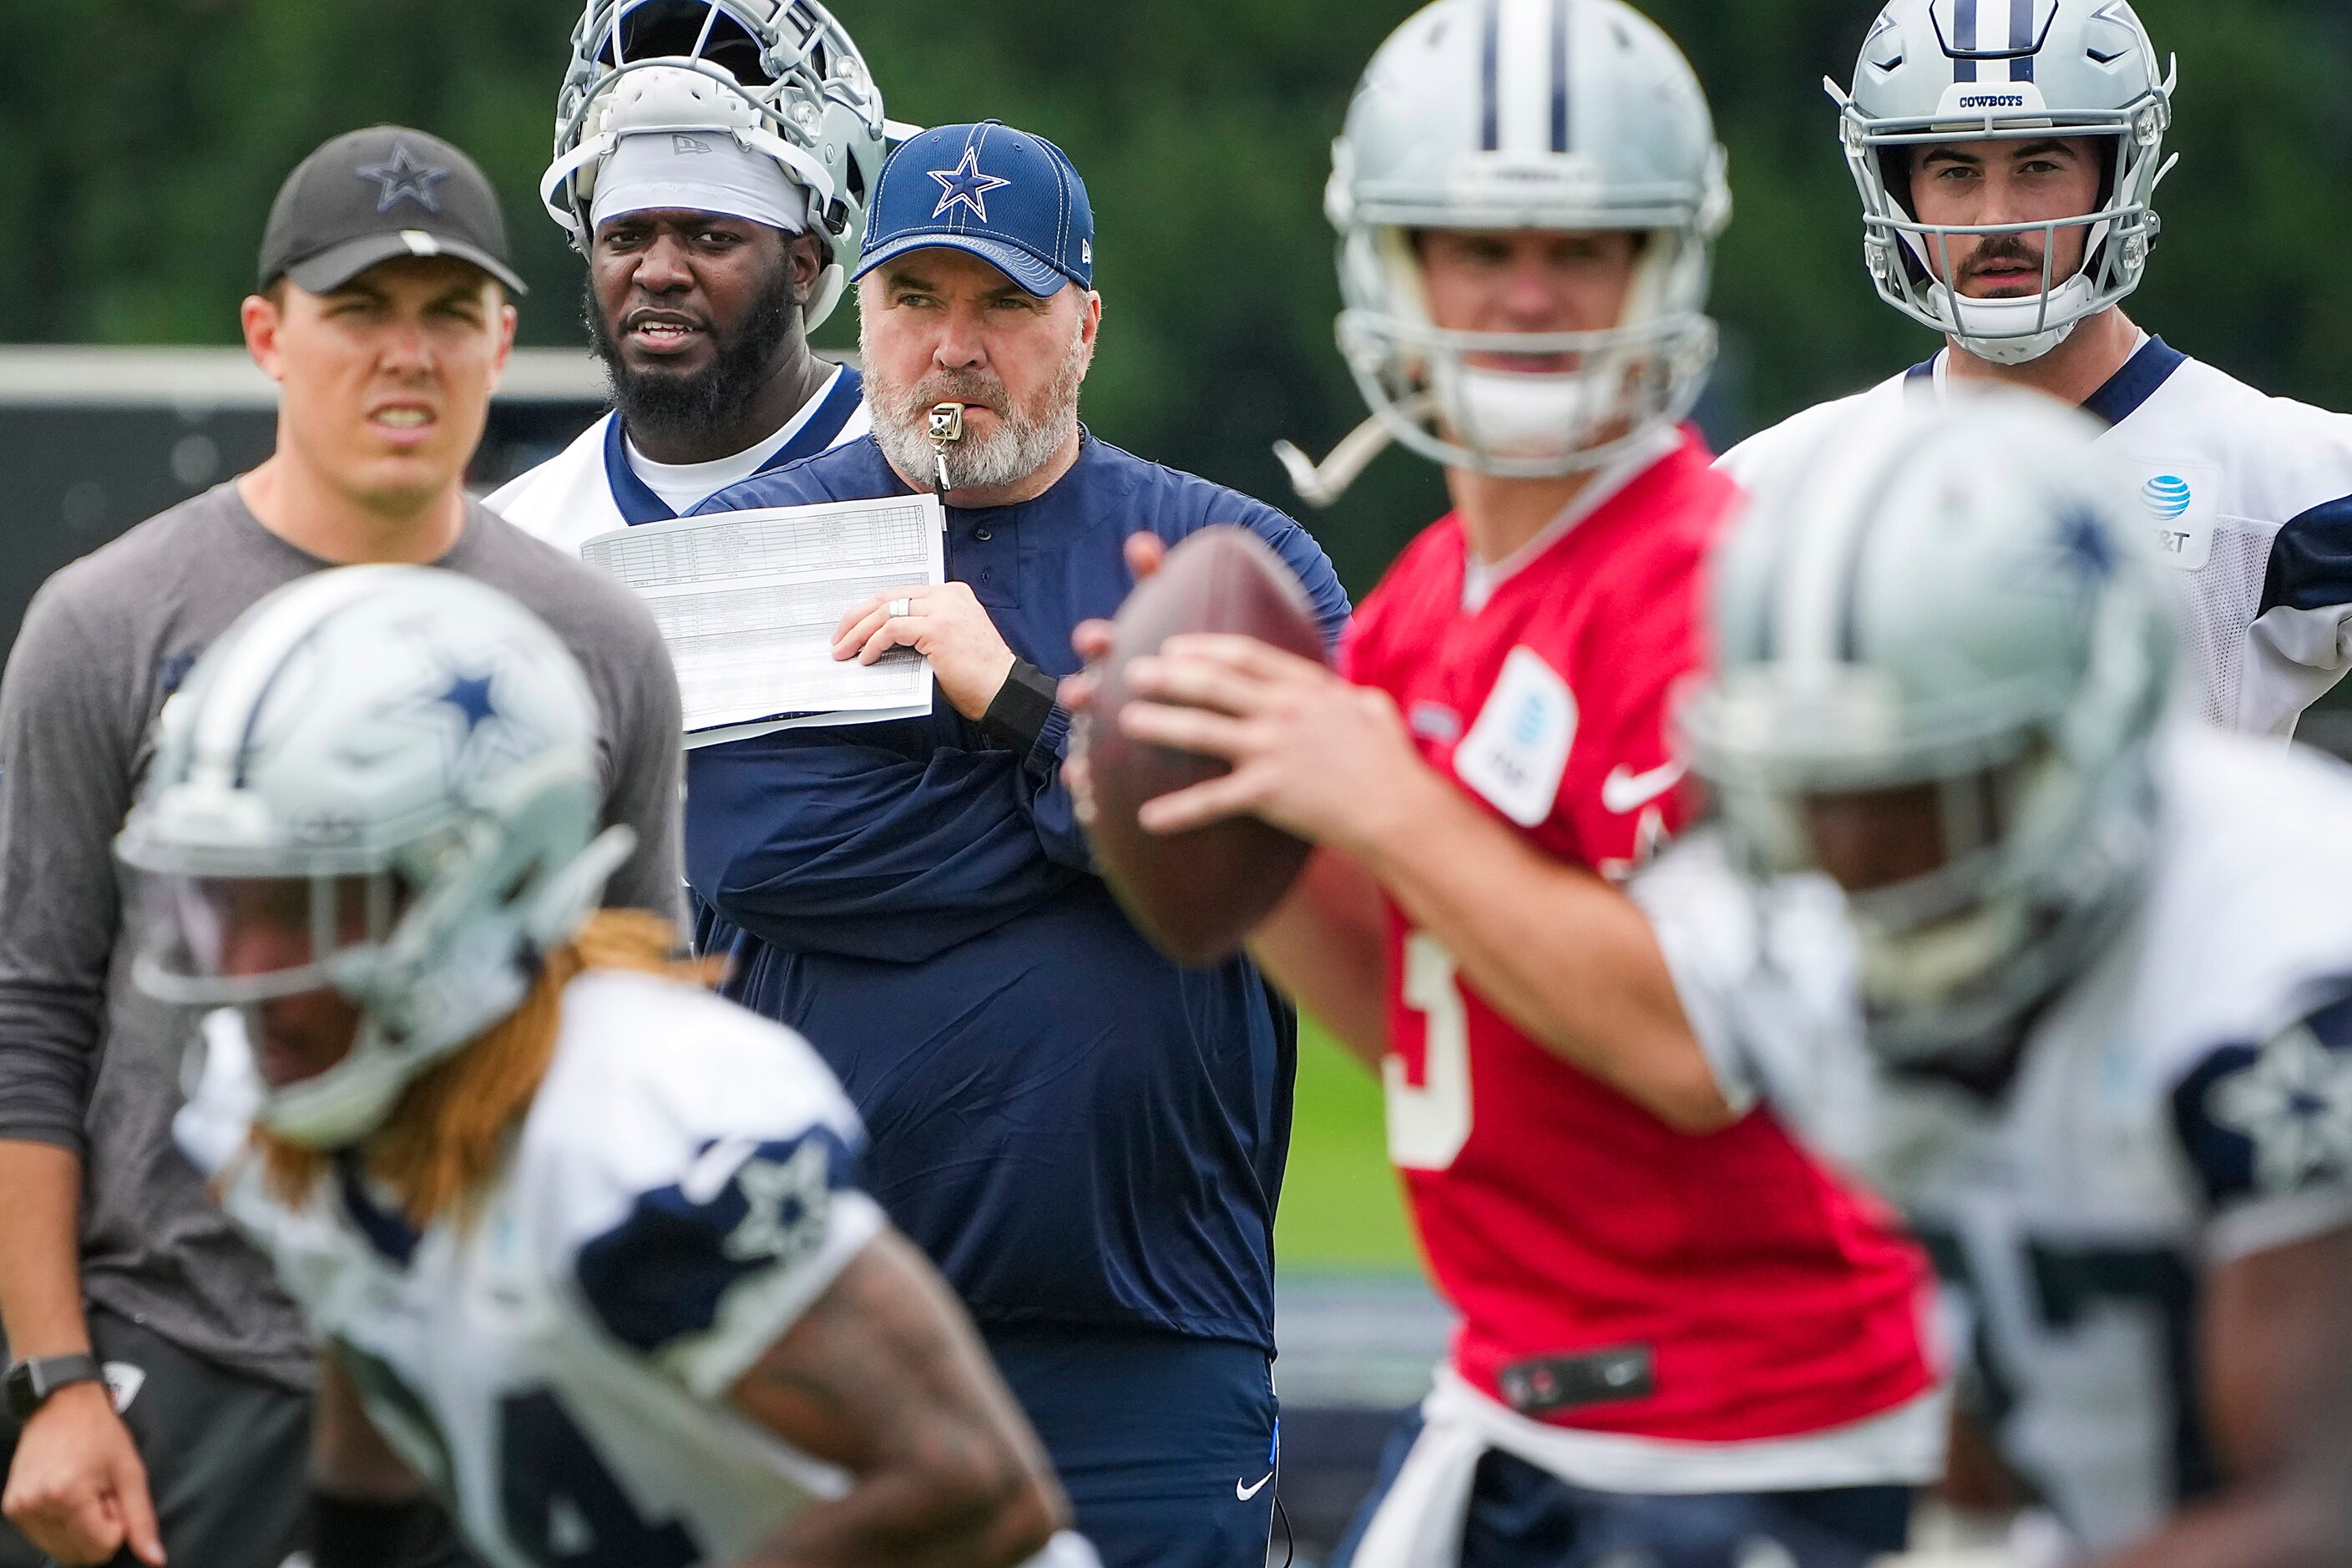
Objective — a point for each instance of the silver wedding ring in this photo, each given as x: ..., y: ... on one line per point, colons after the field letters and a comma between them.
x: 901, y: 607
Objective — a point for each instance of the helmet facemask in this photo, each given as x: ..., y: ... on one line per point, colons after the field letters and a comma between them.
x: 1625, y: 382
x: 1978, y: 933
x: 434, y: 939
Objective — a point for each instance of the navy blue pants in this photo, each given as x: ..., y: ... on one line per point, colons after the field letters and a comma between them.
x: 1522, y: 1517
x: 1165, y: 1445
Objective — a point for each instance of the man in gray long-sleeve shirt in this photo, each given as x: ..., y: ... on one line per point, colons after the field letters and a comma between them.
x: 383, y: 315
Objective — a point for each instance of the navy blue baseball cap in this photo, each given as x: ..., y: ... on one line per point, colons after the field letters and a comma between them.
x: 1008, y: 198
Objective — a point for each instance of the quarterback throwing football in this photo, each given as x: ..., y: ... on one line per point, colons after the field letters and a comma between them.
x: 583, y: 1241
x: 1646, y: 1364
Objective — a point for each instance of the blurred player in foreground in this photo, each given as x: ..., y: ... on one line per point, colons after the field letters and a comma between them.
x: 2064, y: 971
x: 583, y: 1241
x: 383, y: 312
x: 2008, y: 153
x: 713, y: 158
x: 1679, y: 1335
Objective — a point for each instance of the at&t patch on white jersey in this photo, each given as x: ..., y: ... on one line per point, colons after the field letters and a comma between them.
x: 592, y: 487
x: 2185, y: 1101
x: 557, y: 1365
x: 2249, y: 494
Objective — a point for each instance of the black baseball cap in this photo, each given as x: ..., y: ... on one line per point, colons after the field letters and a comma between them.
x: 370, y: 195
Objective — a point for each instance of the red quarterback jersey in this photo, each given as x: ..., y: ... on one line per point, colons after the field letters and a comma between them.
x: 1613, y: 1274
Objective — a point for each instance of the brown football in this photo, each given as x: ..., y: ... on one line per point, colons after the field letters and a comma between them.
x: 1196, y: 895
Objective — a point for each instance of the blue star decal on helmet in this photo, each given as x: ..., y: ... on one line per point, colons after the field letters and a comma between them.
x: 470, y: 696
x: 2085, y: 548
x: 405, y: 178
x: 965, y: 184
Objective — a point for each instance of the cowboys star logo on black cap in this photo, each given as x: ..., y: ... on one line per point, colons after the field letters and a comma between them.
x: 372, y: 195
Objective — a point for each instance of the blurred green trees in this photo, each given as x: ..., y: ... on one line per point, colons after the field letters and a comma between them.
x: 140, y: 164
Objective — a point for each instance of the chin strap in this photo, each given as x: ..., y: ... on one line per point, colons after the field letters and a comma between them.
x: 1320, y: 485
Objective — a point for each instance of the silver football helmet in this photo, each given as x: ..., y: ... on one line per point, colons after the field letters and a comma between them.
x: 1547, y: 115
x: 1952, y: 596
x: 2005, y: 70
x: 393, y: 772
x: 781, y: 77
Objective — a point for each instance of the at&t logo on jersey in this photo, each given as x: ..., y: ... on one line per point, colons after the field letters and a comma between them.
x: 2169, y: 495
x: 1516, y: 752
x: 2182, y: 498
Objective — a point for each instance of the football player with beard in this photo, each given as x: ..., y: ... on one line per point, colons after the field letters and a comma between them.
x: 1087, y: 1138
x: 2008, y: 153
x: 713, y: 158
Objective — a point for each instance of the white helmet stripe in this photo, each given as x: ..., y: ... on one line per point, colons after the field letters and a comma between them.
x: 235, y: 699
x: 1529, y: 69
x: 1816, y: 623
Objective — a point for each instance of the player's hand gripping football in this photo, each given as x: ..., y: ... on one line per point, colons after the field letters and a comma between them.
x: 77, y: 1489
x: 1311, y: 753
x: 948, y: 627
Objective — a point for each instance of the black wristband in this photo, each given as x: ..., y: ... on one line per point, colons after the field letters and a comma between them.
x: 353, y: 1532
x: 30, y: 1382
x: 1022, y: 704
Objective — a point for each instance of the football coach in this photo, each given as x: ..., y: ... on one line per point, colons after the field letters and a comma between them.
x: 1086, y: 1138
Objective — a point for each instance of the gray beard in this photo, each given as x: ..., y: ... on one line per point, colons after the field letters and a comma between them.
x: 1025, y: 442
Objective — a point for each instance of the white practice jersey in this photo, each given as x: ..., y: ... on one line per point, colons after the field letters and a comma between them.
x: 679, y: 1195
x: 2249, y: 494
x: 2186, y: 1102
x: 592, y: 487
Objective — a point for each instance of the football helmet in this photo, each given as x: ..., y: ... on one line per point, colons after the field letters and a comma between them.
x: 2005, y: 70
x: 394, y: 769
x: 1545, y: 115
x: 781, y: 77
x: 1952, y: 596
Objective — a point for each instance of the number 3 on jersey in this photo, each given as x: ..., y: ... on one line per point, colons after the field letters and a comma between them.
x: 1430, y: 1122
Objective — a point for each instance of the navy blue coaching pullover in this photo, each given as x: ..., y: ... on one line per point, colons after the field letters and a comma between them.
x: 1075, y: 1128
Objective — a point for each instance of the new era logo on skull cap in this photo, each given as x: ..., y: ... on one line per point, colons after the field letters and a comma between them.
x: 405, y: 178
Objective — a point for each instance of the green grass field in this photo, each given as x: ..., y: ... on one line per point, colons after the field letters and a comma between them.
x: 1342, y: 1211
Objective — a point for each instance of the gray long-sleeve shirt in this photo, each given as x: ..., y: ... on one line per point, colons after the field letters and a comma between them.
x: 88, y: 1063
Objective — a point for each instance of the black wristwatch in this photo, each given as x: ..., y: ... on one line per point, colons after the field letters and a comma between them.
x: 30, y: 1382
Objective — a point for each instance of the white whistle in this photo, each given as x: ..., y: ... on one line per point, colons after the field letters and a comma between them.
x: 947, y: 428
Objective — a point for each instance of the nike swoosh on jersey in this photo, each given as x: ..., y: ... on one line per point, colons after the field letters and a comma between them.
x: 1623, y: 792
x: 1245, y: 1493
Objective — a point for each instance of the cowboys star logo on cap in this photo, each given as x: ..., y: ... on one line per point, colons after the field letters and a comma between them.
x: 405, y: 178
x: 966, y: 184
